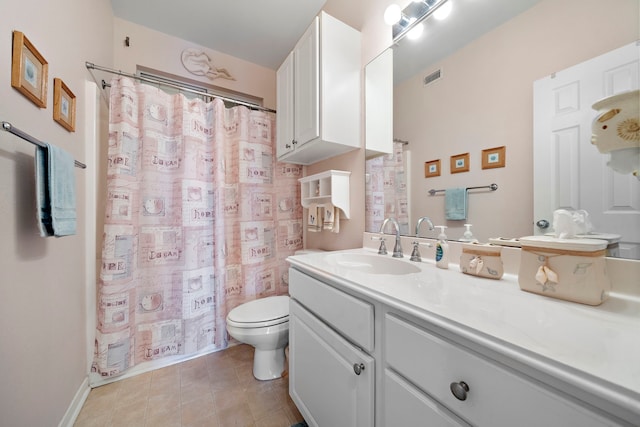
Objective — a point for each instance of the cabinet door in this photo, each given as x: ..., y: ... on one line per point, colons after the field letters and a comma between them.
x: 322, y: 379
x: 307, y: 86
x: 285, y: 101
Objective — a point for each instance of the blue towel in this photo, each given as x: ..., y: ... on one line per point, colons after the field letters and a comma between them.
x: 455, y: 203
x: 56, y: 191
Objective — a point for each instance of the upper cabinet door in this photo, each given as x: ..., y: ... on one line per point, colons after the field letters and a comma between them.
x: 285, y: 100
x: 307, y: 86
x: 325, y: 121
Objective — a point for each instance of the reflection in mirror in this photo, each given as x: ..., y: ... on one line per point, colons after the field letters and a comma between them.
x: 467, y: 87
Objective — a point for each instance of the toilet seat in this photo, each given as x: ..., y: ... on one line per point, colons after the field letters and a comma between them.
x: 260, y: 313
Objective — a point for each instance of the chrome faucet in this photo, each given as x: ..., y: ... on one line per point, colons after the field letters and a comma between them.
x: 415, y: 254
x: 429, y: 223
x: 397, y: 249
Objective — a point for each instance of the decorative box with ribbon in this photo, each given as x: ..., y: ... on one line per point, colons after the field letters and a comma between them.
x: 481, y: 260
x: 568, y: 269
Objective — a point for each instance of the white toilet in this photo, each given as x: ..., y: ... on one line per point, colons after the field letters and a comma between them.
x: 264, y: 324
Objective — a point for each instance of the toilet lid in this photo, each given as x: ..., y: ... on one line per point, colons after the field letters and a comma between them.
x: 261, y: 312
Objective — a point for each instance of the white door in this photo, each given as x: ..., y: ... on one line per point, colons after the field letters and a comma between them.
x: 330, y: 381
x: 570, y: 172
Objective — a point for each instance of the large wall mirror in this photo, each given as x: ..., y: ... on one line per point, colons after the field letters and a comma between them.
x: 464, y: 95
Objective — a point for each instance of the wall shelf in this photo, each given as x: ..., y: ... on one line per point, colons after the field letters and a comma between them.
x: 331, y: 186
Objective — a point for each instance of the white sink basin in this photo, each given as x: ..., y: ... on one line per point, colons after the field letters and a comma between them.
x: 373, y: 264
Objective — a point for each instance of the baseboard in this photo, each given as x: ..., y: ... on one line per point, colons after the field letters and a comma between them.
x: 76, y: 404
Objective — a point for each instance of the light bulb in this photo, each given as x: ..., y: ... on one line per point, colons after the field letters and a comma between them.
x: 415, y: 32
x: 443, y: 11
x: 392, y: 14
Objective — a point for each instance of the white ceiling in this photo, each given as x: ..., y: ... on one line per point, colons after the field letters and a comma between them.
x: 265, y: 31
x: 259, y: 31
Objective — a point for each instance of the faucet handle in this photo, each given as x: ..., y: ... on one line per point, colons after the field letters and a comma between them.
x: 383, y: 248
x: 415, y: 254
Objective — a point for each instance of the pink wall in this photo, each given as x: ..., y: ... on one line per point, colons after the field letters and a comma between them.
x: 43, y: 345
x: 159, y: 51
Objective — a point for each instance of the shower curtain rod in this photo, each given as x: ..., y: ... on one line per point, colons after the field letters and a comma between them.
x: 91, y: 66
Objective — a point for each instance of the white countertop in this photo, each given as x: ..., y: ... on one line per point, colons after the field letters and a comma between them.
x: 599, y: 346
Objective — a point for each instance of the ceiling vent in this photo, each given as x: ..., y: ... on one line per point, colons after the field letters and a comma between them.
x: 436, y: 75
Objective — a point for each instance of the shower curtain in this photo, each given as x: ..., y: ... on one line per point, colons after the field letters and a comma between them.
x: 199, y: 218
x: 386, y: 191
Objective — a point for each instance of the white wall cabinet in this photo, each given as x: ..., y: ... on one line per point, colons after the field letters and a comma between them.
x: 331, y: 186
x: 422, y: 374
x: 318, y: 94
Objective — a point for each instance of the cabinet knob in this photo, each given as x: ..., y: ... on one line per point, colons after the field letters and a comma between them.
x: 358, y: 368
x: 459, y: 390
x: 543, y: 223
x: 287, y: 146
x: 294, y: 142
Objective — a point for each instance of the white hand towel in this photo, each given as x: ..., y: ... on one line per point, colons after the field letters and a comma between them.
x: 314, y: 222
x: 328, y: 216
x: 336, y: 220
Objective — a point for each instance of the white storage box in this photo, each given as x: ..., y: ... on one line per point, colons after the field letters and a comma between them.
x: 568, y: 269
x: 481, y: 260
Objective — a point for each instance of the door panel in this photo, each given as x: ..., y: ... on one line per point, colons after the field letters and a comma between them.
x: 570, y: 172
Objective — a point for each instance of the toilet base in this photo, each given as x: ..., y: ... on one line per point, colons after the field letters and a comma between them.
x: 268, y: 364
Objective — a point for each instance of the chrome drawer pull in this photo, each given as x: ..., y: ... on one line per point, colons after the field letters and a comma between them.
x: 459, y: 390
x: 358, y: 368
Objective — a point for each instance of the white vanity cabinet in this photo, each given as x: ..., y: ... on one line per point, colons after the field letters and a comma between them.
x: 331, y: 378
x: 359, y: 357
x: 318, y: 94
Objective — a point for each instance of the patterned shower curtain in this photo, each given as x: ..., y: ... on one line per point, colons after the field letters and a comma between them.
x: 199, y: 219
x: 386, y: 191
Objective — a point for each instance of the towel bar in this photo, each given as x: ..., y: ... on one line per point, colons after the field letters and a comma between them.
x: 492, y: 187
x: 17, y: 132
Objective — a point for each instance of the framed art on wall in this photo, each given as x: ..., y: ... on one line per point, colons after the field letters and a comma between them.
x: 494, y: 157
x: 432, y: 168
x: 64, y: 105
x: 29, y: 70
x: 460, y: 163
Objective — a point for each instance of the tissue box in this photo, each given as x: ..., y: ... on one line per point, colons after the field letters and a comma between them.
x: 568, y: 269
x: 481, y: 260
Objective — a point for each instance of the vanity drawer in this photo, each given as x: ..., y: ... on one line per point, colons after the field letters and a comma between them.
x: 352, y: 317
x: 405, y: 405
x: 496, y: 396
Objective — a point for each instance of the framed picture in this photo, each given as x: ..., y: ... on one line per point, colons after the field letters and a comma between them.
x: 64, y: 105
x: 432, y: 168
x: 460, y: 163
x: 494, y: 157
x: 29, y: 70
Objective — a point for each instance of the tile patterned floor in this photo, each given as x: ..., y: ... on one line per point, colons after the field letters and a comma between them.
x: 216, y: 390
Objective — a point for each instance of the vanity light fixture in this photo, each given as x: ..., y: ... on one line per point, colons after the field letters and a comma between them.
x: 411, y: 17
x: 416, y: 31
x: 443, y: 11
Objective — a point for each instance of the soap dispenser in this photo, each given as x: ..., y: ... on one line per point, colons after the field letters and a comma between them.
x: 468, y: 235
x: 442, y: 249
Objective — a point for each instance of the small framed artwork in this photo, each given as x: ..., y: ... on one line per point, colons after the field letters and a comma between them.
x: 460, y: 163
x: 432, y: 168
x: 29, y: 70
x: 64, y: 105
x: 494, y: 157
